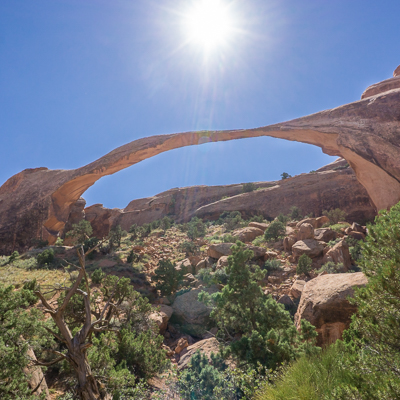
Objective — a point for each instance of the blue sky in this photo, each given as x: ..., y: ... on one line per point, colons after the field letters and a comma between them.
x: 79, y: 78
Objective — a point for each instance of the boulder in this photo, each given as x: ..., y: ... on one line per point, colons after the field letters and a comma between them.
x: 286, y: 300
x: 270, y: 255
x: 339, y: 253
x: 247, y: 234
x: 190, y: 313
x: 259, y: 252
x: 222, y: 262
x: 357, y: 235
x: 315, y: 222
x: 182, y: 344
x: 162, y: 317
x: 288, y: 243
x: 219, y: 250
x: 306, y: 231
x: 206, y: 346
x: 259, y: 225
x: 311, y: 247
x: 205, y: 263
x: 297, y: 288
x: 357, y: 228
x: 324, y: 303
x: 185, y: 266
x: 325, y: 234
x: 320, y: 221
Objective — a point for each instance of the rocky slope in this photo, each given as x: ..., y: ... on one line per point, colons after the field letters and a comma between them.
x: 38, y: 202
x: 332, y: 186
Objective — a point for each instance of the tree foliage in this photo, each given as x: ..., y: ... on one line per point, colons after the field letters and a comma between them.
x: 268, y: 335
x: 335, y: 215
x: 275, y: 230
x: 80, y: 232
x: 167, y: 277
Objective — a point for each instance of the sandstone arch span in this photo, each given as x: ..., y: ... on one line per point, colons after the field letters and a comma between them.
x: 366, y: 133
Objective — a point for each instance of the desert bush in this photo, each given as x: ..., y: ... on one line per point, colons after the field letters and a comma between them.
x: 188, y: 247
x: 132, y: 257
x: 285, y: 175
x: 295, y: 213
x: 331, y: 268
x: 59, y: 242
x: 304, y: 265
x: 256, y: 218
x: 275, y: 231
x: 166, y: 223
x: 272, y: 265
x: 98, y: 276
x: 196, y: 228
x: 167, y: 277
x: 39, y: 243
x: 335, y: 215
x: 230, y: 220
x: 228, y: 238
x: 283, y: 218
x: 248, y: 187
x: 13, y: 257
x: 80, y: 232
x: 46, y: 257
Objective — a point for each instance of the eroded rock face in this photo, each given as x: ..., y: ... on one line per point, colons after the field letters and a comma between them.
x: 324, y: 304
x: 38, y: 202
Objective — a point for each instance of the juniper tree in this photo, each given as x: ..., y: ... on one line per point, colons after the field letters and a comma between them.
x: 268, y: 335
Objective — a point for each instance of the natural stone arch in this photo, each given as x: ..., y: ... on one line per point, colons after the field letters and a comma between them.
x: 366, y: 133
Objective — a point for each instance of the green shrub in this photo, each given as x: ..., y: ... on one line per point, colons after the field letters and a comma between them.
x: 268, y: 336
x: 258, y: 241
x: 206, y: 276
x: 166, y: 223
x: 304, y: 265
x: 46, y: 257
x: 283, y: 218
x: 285, y: 175
x: 196, y: 228
x: 312, y: 378
x: 335, y: 215
x: 248, y: 187
x: 59, y: 242
x: 231, y: 220
x: 98, y: 276
x: 228, y: 238
x: 189, y: 248
x: 331, y: 268
x: 80, y: 232
x: 167, y: 277
x: 338, y: 227
x: 40, y: 243
x: 295, y: 213
x: 132, y: 257
x: 272, y: 265
x: 275, y: 231
x: 256, y: 218
x: 13, y: 257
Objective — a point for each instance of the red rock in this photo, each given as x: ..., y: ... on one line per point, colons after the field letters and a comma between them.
x: 324, y: 303
x: 247, y: 234
x: 339, y: 253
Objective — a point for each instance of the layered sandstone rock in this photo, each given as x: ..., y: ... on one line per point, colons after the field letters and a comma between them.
x: 38, y: 202
x: 324, y: 303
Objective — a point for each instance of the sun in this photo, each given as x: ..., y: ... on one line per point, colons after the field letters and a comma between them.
x: 209, y: 23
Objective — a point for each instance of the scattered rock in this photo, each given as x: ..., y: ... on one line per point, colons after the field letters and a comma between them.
x: 182, y: 344
x: 286, y: 300
x: 219, y: 250
x: 324, y: 304
x: 306, y: 231
x: 297, y: 288
x: 185, y: 266
x: 313, y: 248
x: 357, y: 235
x: 190, y: 313
x: 222, y: 262
x: 162, y: 317
x: 339, y: 253
x: 259, y: 225
x: 325, y: 234
x: 247, y: 234
x: 288, y: 243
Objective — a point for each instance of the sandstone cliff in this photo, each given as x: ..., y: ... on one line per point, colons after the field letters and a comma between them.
x: 366, y: 133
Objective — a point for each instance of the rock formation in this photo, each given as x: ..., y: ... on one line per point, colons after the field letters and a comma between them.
x: 324, y: 304
x: 38, y: 202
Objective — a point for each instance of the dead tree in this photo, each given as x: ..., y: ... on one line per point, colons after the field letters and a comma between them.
x: 77, y: 345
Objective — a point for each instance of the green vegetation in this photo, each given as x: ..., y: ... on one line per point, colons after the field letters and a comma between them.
x: 98, y: 276
x: 167, y: 277
x: 304, y: 265
x: 46, y: 257
x: 268, y: 336
x: 335, y: 215
x: 231, y: 220
x: 196, y: 228
x: 272, y: 265
x: 80, y: 232
x: 285, y: 175
x: 275, y: 231
x: 332, y: 268
x: 295, y: 213
x: 115, y: 237
x: 248, y: 187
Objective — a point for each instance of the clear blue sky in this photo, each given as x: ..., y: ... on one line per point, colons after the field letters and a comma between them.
x: 79, y: 78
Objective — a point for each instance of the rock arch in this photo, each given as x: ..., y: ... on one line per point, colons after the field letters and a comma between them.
x: 366, y: 133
